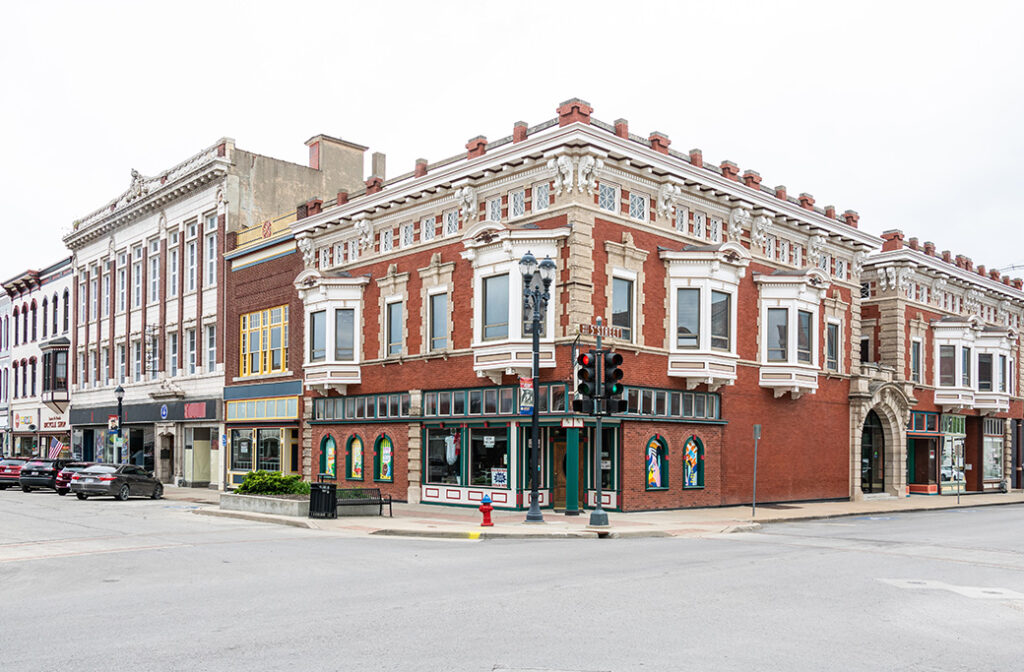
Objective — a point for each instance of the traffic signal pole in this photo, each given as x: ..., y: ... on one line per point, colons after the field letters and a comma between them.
x: 598, y: 517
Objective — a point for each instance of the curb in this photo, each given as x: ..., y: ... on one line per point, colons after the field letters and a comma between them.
x: 255, y: 517
x: 456, y: 534
x: 852, y: 514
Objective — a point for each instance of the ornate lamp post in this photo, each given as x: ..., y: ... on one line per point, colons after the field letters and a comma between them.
x: 535, y: 299
x: 119, y: 393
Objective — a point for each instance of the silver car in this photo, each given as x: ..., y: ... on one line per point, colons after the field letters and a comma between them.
x: 119, y: 481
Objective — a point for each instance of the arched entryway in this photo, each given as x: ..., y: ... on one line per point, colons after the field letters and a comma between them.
x: 872, y: 455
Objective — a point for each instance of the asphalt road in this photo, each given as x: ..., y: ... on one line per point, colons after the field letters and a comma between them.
x: 143, y: 585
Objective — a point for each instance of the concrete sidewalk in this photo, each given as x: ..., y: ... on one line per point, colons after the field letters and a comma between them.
x: 431, y: 521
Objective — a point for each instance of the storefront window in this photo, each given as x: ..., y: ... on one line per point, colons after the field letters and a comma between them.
x: 488, y: 457
x: 268, y: 457
x: 656, y: 458
x: 354, y: 459
x: 693, y: 463
x: 384, y: 459
x: 328, y: 457
x: 241, y: 449
x: 444, y: 453
x: 993, y: 458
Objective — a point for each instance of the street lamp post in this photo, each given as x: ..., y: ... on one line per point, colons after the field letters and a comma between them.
x: 535, y: 299
x: 119, y: 393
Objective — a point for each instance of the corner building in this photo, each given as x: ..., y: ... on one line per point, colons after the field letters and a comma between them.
x: 941, y: 347
x: 733, y: 304
x: 150, y: 291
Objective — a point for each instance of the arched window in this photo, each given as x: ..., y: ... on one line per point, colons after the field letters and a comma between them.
x: 16, y: 313
x: 328, y: 456
x: 54, y: 313
x: 24, y: 323
x: 354, y: 458
x: 7, y: 332
x: 34, y: 321
x: 33, y: 363
x: 383, y: 459
x: 693, y: 463
x: 656, y: 460
x: 15, y: 380
x: 67, y: 314
x: 46, y: 305
x: 24, y: 378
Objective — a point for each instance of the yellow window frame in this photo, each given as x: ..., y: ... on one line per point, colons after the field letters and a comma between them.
x: 259, y: 325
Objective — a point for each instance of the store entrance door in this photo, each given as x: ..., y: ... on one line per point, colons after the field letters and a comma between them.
x: 872, y: 455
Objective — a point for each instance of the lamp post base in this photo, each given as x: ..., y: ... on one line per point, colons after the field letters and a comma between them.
x: 534, y: 515
x: 598, y: 518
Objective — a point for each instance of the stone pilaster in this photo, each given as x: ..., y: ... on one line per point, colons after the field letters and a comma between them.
x: 414, y: 457
x: 579, y: 287
x: 306, y: 439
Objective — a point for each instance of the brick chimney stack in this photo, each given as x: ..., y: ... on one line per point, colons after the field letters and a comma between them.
x: 912, y: 243
x: 421, y: 168
x: 752, y: 179
x: 780, y: 192
x: 806, y: 201
x: 851, y: 218
x: 519, y: 131
x: 893, y: 240
x: 929, y: 248
x: 476, y: 147
x: 659, y: 142
x: 730, y: 170
x: 622, y: 128
x: 574, y: 110
x: 697, y: 158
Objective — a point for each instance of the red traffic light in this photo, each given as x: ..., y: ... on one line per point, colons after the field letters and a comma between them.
x: 585, y: 359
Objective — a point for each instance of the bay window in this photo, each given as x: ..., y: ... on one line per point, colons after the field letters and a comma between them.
x: 721, y: 321
x: 318, y: 336
x: 965, y: 367
x: 947, y: 365
x: 495, y: 307
x: 344, y: 335
x: 688, y: 318
x: 984, y: 372
x: 778, y: 334
x: 803, y: 337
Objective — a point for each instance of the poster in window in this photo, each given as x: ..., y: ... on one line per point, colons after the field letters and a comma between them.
x: 332, y: 458
x: 356, y: 448
x: 654, y: 463
x: 691, y: 463
x: 499, y: 477
x: 385, y: 459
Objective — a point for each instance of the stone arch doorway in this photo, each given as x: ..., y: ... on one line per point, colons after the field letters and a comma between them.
x: 872, y: 455
x: 878, y: 440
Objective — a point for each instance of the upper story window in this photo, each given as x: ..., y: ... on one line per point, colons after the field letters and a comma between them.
x: 517, y: 203
x: 690, y: 326
x: 495, y: 307
x: 318, y: 336
x: 172, y: 348
x: 394, y: 328
x: 790, y: 308
x: 541, y: 196
x: 154, y: 271
x: 915, y: 361
x: 682, y: 219
x: 192, y: 348
x: 387, y: 240
x: 122, y: 363
x: 136, y: 361
x: 947, y: 365
x: 832, y: 346
x: 211, y: 348
x: 353, y: 250
x: 264, y: 341
x: 137, y: 277
x: 46, y: 305
x: 700, y: 221
x: 94, y: 295
x: 778, y: 334
x: 67, y: 310
x: 345, y: 335
x: 985, y: 377
x: 638, y: 206
x: 607, y: 195
x: 191, y: 264
x: 427, y: 228
x: 172, y: 271
x: 622, y: 306
x: 210, y: 274
x: 438, y: 334
x: 494, y: 209
x: 715, y: 230
x: 965, y: 368
x: 451, y: 222
x: 408, y: 234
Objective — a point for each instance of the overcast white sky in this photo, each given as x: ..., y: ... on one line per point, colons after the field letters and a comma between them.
x: 909, y: 113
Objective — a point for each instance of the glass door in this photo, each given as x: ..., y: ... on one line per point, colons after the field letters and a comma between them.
x: 872, y: 455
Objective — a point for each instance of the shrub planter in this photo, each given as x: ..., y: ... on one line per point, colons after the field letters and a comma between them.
x: 278, y: 505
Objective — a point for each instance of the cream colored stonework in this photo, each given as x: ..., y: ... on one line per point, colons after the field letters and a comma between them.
x: 393, y: 285
x: 626, y: 256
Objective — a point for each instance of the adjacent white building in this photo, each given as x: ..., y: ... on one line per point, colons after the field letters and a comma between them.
x: 5, y: 371
x: 149, y: 286
x: 37, y: 330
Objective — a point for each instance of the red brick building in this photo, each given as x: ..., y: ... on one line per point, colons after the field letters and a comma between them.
x: 732, y: 303
x: 944, y: 335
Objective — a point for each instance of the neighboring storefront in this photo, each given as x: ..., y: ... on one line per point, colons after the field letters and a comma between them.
x: 923, y: 441
x: 994, y: 432
x: 263, y: 423
x: 167, y: 438
x: 951, y: 469
x: 33, y: 432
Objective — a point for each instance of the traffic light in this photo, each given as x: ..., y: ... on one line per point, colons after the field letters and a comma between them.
x: 613, y: 387
x: 587, y: 374
x: 584, y: 406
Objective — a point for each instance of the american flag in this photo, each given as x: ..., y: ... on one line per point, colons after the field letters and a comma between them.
x: 55, y: 448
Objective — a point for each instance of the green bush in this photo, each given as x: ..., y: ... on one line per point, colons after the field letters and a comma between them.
x: 272, y: 483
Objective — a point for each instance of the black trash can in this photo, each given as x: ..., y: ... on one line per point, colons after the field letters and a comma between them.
x: 323, y: 500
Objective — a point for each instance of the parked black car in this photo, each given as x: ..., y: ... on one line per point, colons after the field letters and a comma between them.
x: 40, y: 473
x: 119, y: 481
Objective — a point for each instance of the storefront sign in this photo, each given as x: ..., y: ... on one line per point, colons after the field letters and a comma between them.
x: 488, y: 442
x: 163, y: 412
x: 604, y: 330
x: 24, y: 422
x: 195, y: 410
x: 223, y: 440
x: 55, y: 423
x: 525, y: 396
x: 499, y: 476
x: 572, y: 422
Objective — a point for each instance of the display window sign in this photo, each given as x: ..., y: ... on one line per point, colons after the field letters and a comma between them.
x: 354, y: 458
x: 384, y: 458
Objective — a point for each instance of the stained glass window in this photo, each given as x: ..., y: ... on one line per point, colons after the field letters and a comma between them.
x: 384, y: 459
x: 693, y: 463
x: 656, y: 458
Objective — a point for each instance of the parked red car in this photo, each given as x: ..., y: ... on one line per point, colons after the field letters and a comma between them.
x: 10, y: 470
x: 64, y: 477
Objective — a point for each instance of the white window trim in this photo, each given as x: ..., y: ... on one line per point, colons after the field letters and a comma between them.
x: 839, y: 345
x: 491, y: 202
x: 210, y: 275
x: 494, y: 261
x: 511, y: 203
x: 646, y: 200
x: 920, y: 361
x: 389, y: 301
x: 431, y: 293
x: 634, y: 277
x: 534, y: 200
x: 794, y: 293
x: 706, y: 286
x: 616, y: 198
